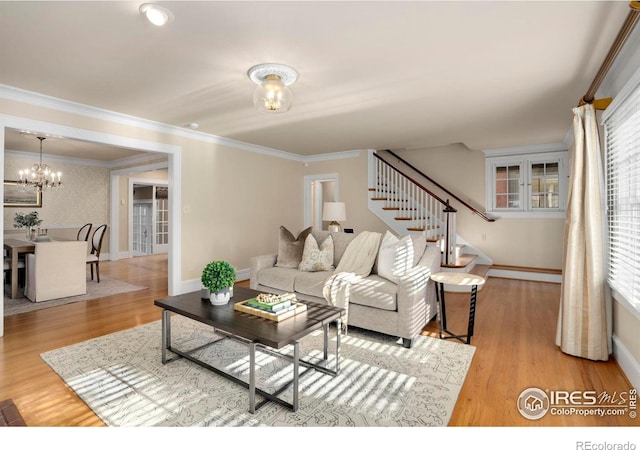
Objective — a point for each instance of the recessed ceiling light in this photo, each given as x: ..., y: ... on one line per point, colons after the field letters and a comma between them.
x: 155, y: 14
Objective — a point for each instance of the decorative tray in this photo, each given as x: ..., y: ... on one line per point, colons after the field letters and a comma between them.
x: 296, y: 308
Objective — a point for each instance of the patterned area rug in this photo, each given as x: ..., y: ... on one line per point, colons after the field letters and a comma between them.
x: 106, y: 287
x: 121, y: 378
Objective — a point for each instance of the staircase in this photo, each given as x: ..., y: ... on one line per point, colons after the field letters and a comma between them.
x: 398, y: 196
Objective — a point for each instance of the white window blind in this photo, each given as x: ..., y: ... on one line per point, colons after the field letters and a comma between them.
x: 622, y: 131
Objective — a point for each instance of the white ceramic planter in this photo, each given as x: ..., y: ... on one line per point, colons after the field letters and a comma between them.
x: 221, y: 297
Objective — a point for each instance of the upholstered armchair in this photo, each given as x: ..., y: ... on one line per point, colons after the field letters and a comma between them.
x: 56, y: 270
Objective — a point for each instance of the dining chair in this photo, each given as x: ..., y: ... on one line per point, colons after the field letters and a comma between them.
x: 83, y: 232
x: 93, y: 258
x: 7, y: 266
x: 55, y: 270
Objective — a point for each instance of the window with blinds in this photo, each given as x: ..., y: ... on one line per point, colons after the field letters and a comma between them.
x: 622, y: 139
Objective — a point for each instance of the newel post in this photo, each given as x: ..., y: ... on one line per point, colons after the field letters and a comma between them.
x: 450, y: 234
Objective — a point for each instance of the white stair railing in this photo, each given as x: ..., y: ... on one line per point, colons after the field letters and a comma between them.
x: 422, y: 210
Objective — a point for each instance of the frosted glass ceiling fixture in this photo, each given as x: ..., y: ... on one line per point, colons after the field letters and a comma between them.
x: 40, y: 176
x: 273, y: 94
x: 155, y: 14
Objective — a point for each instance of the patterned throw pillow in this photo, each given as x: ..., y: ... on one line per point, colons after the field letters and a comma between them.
x: 290, y: 248
x: 316, y: 259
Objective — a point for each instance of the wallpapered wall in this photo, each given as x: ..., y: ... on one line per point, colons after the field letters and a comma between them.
x: 83, y: 198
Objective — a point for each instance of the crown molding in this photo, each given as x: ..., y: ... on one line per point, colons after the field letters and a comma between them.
x: 332, y: 156
x: 45, y: 101
x: 131, y: 160
x: 525, y: 150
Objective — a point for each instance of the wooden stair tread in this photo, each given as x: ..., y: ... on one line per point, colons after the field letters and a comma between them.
x: 461, y: 261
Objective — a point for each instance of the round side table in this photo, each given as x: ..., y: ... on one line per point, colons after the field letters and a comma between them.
x: 456, y: 279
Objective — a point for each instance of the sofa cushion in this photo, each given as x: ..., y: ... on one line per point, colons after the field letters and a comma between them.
x: 311, y: 283
x: 290, y: 248
x: 395, y: 257
x: 278, y: 278
x: 314, y: 258
x: 374, y: 291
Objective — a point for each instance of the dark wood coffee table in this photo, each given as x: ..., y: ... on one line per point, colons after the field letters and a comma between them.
x: 255, y: 332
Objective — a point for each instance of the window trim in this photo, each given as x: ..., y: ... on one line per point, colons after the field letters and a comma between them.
x: 525, y: 161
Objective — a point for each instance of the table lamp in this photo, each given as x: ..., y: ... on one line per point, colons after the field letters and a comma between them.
x: 334, y: 212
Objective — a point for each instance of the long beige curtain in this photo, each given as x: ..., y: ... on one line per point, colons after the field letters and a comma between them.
x: 584, y: 320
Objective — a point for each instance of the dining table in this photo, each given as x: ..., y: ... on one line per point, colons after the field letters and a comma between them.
x: 14, y: 248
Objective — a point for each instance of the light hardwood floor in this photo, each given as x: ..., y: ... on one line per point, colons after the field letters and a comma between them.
x: 514, y: 340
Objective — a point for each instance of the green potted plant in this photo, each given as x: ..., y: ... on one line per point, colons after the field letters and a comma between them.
x: 28, y: 221
x: 218, y: 277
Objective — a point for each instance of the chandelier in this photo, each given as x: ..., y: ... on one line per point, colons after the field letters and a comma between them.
x: 40, y: 176
x: 272, y: 94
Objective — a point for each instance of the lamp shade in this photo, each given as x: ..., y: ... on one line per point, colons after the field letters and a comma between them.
x: 334, y: 211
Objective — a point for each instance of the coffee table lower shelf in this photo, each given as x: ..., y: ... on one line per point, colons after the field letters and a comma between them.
x: 323, y: 366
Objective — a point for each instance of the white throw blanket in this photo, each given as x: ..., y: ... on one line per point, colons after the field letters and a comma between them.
x: 355, y: 264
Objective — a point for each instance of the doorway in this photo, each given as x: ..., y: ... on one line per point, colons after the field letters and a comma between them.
x: 174, y: 165
x: 317, y: 190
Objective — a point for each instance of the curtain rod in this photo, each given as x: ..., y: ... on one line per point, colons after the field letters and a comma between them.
x: 625, y: 31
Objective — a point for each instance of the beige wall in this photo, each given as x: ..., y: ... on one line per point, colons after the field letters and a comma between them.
x: 237, y: 201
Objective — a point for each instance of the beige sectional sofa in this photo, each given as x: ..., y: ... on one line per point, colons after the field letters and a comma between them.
x: 375, y: 303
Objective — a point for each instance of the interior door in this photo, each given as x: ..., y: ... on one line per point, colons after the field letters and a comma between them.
x: 161, y: 225
x: 142, y: 228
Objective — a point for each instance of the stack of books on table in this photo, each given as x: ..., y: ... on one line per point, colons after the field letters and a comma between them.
x: 271, y: 306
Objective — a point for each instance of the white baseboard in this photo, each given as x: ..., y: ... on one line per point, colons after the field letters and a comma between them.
x: 627, y: 362
x: 195, y: 284
x: 524, y: 275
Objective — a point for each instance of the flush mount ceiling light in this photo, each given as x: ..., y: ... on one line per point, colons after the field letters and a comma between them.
x: 155, y: 14
x: 272, y: 94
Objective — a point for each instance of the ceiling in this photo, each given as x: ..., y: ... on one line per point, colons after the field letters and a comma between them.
x: 382, y: 74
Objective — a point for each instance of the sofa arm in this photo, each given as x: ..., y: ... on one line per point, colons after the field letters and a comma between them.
x: 258, y: 263
x: 431, y: 258
x: 412, y: 302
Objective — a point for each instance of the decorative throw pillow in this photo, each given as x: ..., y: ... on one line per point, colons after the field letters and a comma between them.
x: 395, y: 257
x: 290, y: 248
x: 316, y: 259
